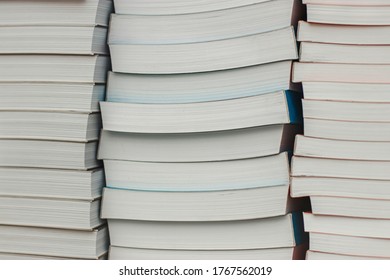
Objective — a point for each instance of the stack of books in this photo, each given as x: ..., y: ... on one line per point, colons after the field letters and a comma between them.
x: 53, y: 64
x: 343, y: 160
x: 198, y: 121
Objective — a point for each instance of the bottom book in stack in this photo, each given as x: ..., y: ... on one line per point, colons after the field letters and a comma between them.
x: 278, y: 238
x: 347, y: 182
x: 19, y: 242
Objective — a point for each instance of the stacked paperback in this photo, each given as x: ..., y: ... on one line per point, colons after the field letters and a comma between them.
x: 53, y: 64
x: 343, y: 160
x: 197, y: 124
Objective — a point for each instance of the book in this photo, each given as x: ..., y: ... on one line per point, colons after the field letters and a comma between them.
x: 341, y: 53
x: 196, y: 206
x: 200, y: 87
x: 276, y: 232
x: 49, y: 126
x: 351, y: 14
x: 278, y: 108
x: 53, y: 68
x: 11, y: 256
x: 352, y: 226
x: 288, y: 253
x: 346, y: 111
x: 55, y: 13
x: 327, y: 186
x: 313, y: 255
x: 76, y: 244
x: 48, y: 154
x: 59, y: 97
x: 356, y: 92
x: 347, y: 130
x: 340, y: 72
x: 336, y: 149
x: 205, y: 176
x: 51, y: 183
x: 205, y: 26
x: 154, y: 7
x: 338, y: 168
x: 204, y: 56
x: 343, y: 34
x: 49, y: 212
x: 196, y: 147
x: 351, y: 207
x: 350, y: 245
x: 348, y: 2
x: 34, y: 39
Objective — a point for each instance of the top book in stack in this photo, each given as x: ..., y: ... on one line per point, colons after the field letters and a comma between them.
x: 201, y: 40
